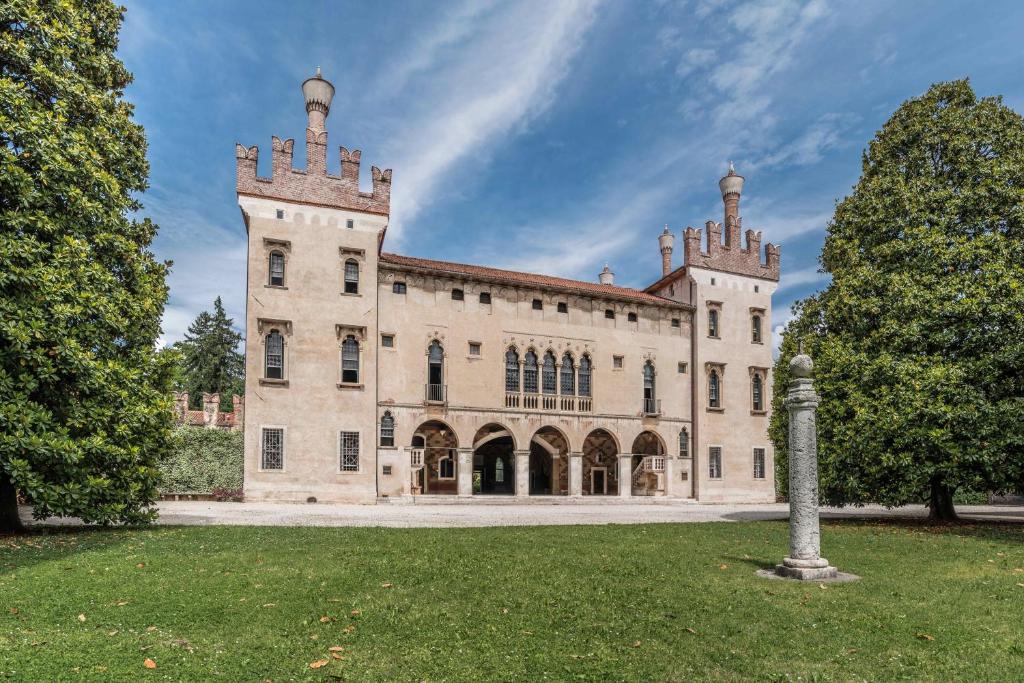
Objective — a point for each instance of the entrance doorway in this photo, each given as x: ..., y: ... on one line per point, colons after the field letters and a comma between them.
x: 494, y: 461
x: 600, y: 454
x: 599, y: 481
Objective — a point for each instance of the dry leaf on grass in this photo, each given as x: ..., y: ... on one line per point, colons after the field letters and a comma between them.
x: 122, y: 603
x: 318, y: 663
x: 326, y: 619
x: 349, y: 628
x: 690, y: 630
x: 150, y: 629
x: 636, y: 643
x: 140, y: 565
x: 356, y: 612
x: 723, y: 566
x: 13, y: 610
x: 925, y: 636
x: 149, y: 663
x: 81, y: 617
x: 335, y: 648
x: 387, y: 584
x: 335, y: 655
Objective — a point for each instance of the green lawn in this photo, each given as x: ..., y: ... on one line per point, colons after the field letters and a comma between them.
x: 655, y: 602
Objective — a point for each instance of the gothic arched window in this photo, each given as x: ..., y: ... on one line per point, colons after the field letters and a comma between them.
x: 274, y: 358
x: 499, y: 470
x: 550, y: 384
x: 351, y: 276
x: 568, y: 374
x: 512, y: 371
x: 684, y: 443
x: 276, y: 269
x: 530, y: 372
x: 757, y: 392
x: 584, y: 387
x: 387, y: 429
x: 350, y: 360
x: 714, y: 390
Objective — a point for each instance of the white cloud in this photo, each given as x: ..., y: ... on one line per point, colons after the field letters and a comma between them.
x: 694, y: 59
x: 505, y: 73
x: 809, y: 147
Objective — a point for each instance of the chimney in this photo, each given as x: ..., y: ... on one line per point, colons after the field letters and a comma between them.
x: 211, y: 406
x: 731, y: 186
x: 606, y: 277
x: 666, y: 241
x: 318, y: 94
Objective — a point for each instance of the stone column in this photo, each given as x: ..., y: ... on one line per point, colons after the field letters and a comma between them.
x: 576, y: 474
x: 465, y: 472
x: 522, y: 474
x: 625, y: 475
x: 804, y: 560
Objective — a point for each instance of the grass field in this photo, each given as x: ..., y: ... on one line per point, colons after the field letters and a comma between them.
x: 639, y: 603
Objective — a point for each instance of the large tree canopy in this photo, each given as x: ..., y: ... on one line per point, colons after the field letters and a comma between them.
x: 918, y: 341
x: 84, y: 399
x: 210, y: 361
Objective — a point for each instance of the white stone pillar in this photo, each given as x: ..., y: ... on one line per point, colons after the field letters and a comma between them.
x: 465, y: 472
x: 522, y: 474
x: 576, y: 474
x: 625, y: 475
x: 668, y: 477
x: 804, y: 560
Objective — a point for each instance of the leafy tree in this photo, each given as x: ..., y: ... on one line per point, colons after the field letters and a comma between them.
x: 918, y: 341
x: 85, y: 409
x: 210, y: 361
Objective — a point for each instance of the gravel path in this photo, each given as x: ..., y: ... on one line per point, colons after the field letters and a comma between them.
x: 512, y: 514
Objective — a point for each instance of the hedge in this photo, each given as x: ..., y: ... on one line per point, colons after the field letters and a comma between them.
x: 202, y: 461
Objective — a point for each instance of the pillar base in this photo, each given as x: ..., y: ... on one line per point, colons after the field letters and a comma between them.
x: 807, y: 573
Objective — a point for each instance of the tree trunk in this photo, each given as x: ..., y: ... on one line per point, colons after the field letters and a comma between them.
x: 940, y: 503
x: 9, y: 520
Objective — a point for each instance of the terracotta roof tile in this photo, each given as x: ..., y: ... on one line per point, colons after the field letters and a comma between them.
x: 516, y: 277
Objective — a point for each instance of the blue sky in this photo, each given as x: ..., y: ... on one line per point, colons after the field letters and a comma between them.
x: 543, y: 136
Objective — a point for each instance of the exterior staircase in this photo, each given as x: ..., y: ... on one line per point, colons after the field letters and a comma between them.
x: 649, y: 476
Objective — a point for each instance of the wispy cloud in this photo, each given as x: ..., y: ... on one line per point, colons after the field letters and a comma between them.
x: 506, y: 73
x: 803, y: 276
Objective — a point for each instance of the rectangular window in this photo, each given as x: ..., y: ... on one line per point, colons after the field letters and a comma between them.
x: 684, y: 444
x: 756, y: 289
x: 485, y: 298
x: 387, y: 341
x: 351, y: 277
x: 458, y: 295
x: 712, y: 282
x: 474, y: 348
x: 280, y: 214
x: 387, y: 431
x: 538, y: 305
x: 675, y: 322
x: 386, y: 470
x: 398, y: 288
x: 617, y: 362
x: 758, y: 463
x: 609, y: 314
x: 715, y: 462
x: 272, y: 449
x: 631, y: 317
x: 682, y: 368
x: 563, y: 307
x: 350, y: 224
x: 349, y: 449
x: 276, y: 269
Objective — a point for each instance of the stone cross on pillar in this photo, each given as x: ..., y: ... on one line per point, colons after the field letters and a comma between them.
x: 804, y: 560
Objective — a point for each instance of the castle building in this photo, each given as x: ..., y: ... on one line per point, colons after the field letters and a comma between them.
x: 371, y: 374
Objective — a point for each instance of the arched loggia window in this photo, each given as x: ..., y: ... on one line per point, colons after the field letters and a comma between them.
x: 568, y: 374
x: 584, y: 383
x: 512, y: 371
x: 550, y: 385
x: 274, y: 358
x: 650, y: 403
x: 714, y: 390
x: 530, y: 385
x: 435, y: 371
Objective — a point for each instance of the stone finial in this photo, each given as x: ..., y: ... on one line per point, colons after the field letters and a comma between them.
x: 801, y: 366
x: 666, y: 242
x: 731, y: 186
x: 318, y: 93
x: 606, y: 276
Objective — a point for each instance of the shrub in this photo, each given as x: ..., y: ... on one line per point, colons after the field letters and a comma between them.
x: 203, y: 461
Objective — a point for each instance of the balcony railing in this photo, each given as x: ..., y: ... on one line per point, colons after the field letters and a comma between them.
x: 416, y: 457
x: 549, y: 402
x: 652, y: 406
x: 435, y: 393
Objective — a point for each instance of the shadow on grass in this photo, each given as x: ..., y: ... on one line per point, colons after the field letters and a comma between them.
x: 39, y: 543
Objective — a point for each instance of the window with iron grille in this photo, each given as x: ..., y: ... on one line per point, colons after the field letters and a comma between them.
x: 715, y: 462
x: 350, y: 360
x: 538, y: 305
x: 398, y: 288
x: 387, y: 430
x: 458, y: 295
x: 485, y: 297
x: 568, y: 376
x: 755, y: 329
x: 272, y: 449
x: 530, y: 373
x: 276, y: 269
x: 756, y: 393
x: 584, y: 375
x: 714, y: 390
x: 351, y: 276
x: 563, y: 307
x: 474, y: 348
x: 684, y: 443
x: 758, y: 463
x: 349, y: 450
x: 274, y: 361
x: 386, y: 470
x: 512, y: 370
x: 550, y: 385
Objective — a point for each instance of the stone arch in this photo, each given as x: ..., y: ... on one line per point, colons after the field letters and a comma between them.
x: 494, y: 460
x: 438, y: 443
x: 549, y: 462
x: 645, y: 444
x: 600, y: 463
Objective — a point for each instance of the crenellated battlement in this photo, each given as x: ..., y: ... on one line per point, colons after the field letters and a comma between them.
x: 313, y: 185
x: 730, y: 258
